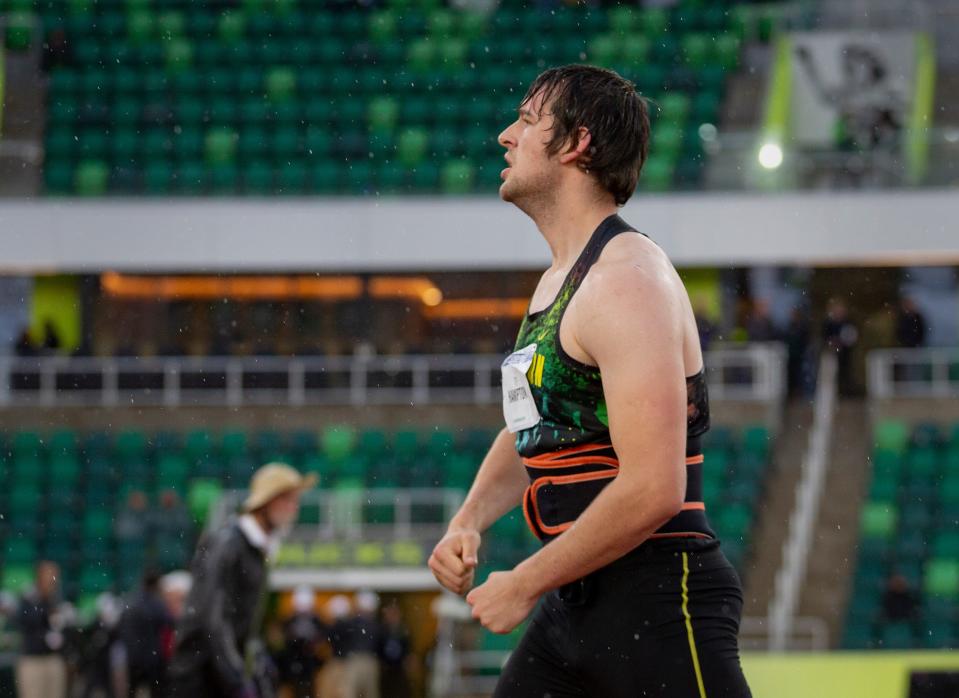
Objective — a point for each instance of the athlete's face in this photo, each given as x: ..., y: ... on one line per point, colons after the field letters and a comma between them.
x: 531, y: 171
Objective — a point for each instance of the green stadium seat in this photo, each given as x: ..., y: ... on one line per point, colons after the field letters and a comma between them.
x: 624, y: 19
x: 657, y: 174
x: 421, y: 55
x: 879, y: 519
x: 280, y: 84
x: 64, y: 470
x: 604, y: 50
x: 382, y: 25
x: 383, y: 113
x: 457, y: 177
x: 942, y: 577
x: 203, y: 494
x: 897, y: 636
x: 179, y: 55
x: 858, y: 636
x: 939, y: 634
x: 231, y: 27
x: 727, y: 49
x: 923, y: 462
x: 945, y: 544
x: 17, y: 579
x: 221, y: 146
x: 90, y: 178
x: 338, y: 442
x: 19, y: 30
x: 412, y: 146
x: 892, y: 436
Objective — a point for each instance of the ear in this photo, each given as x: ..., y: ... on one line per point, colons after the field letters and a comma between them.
x: 581, y: 150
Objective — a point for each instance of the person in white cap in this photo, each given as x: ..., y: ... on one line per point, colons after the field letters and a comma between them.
x: 229, y: 578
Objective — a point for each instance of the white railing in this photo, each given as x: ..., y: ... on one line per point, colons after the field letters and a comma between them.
x: 913, y: 372
x: 806, y: 633
x: 746, y: 372
x: 802, y: 521
x: 341, y: 515
x: 340, y: 518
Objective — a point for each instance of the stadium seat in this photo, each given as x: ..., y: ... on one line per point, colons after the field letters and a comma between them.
x: 879, y: 520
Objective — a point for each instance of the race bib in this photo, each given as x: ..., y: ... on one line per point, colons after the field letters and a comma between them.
x: 519, y: 409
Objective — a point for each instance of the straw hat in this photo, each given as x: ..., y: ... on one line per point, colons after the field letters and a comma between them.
x: 274, y: 479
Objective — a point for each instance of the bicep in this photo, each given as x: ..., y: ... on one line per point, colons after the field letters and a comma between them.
x: 638, y: 344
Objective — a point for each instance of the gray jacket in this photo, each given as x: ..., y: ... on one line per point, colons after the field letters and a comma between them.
x: 229, y: 576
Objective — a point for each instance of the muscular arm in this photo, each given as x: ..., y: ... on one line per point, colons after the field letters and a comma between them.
x: 630, y: 322
x: 498, y: 487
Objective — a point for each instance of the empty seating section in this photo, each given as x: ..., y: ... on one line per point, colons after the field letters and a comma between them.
x: 305, y: 97
x: 909, y: 527
x: 734, y: 473
x: 65, y: 495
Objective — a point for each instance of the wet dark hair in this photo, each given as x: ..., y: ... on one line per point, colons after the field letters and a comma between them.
x: 615, y: 114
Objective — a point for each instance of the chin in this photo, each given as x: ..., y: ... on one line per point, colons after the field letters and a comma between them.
x: 507, y: 190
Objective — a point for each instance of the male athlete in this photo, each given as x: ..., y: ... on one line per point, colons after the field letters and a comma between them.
x: 605, y: 401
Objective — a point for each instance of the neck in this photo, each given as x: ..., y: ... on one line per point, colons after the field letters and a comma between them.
x: 568, y: 223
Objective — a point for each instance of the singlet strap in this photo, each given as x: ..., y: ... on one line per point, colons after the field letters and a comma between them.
x: 610, y: 227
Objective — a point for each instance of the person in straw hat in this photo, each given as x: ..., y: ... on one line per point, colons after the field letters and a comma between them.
x: 229, y: 578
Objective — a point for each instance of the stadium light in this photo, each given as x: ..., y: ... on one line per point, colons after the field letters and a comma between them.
x: 771, y: 156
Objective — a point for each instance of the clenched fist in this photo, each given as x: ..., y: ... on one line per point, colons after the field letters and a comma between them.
x: 454, y: 559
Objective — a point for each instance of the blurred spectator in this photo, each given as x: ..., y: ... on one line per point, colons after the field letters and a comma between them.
x: 174, y: 589
x: 707, y: 328
x: 361, y: 644
x: 910, y: 324
x: 759, y: 324
x: 394, y: 654
x: 40, y: 670
x: 841, y: 336
x: 304, y: 634
x: 797, y: 337
x: 142, y: 628
x: 103, y: 661
x: 56, y: 50
x: 899, y: 601
x: 24, y: 345
x: 332, y: 678
x: 51, y: 338
x: 131, y: 522
x: 216, y: 653
x: 172, y: 529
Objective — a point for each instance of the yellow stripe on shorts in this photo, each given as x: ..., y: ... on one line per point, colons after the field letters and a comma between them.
x: 689, y: 629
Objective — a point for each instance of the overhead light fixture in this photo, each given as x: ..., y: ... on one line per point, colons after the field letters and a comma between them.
x: 771, y: 156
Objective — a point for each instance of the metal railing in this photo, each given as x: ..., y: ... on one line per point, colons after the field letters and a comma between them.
x: 746, y: 372
x: 806, y: 633
x: 732, y: 164
x: 343, y: 514
x: 925, y: 373
x: 408, y: 522
x: 802, y: 521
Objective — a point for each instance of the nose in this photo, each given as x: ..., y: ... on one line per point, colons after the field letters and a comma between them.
x: 506, y: 139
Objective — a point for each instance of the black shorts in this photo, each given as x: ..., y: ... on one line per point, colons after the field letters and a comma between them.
x: 661, y: 621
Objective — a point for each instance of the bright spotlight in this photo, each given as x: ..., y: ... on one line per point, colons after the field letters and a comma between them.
x: 770, y: 156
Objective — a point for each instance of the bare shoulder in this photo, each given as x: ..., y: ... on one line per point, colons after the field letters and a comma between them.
x: 631, y: 271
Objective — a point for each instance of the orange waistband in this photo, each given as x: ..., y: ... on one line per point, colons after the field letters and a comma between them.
x: 568, y: 457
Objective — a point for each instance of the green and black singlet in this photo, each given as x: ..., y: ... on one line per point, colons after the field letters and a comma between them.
x: 568, y: 454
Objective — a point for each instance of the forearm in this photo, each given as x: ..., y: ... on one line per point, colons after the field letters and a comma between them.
x: 619, y: 519
x: 497, y: 488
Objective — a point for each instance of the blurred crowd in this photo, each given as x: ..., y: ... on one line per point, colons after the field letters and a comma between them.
x: 346, y: 648
x: 838, y: 331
